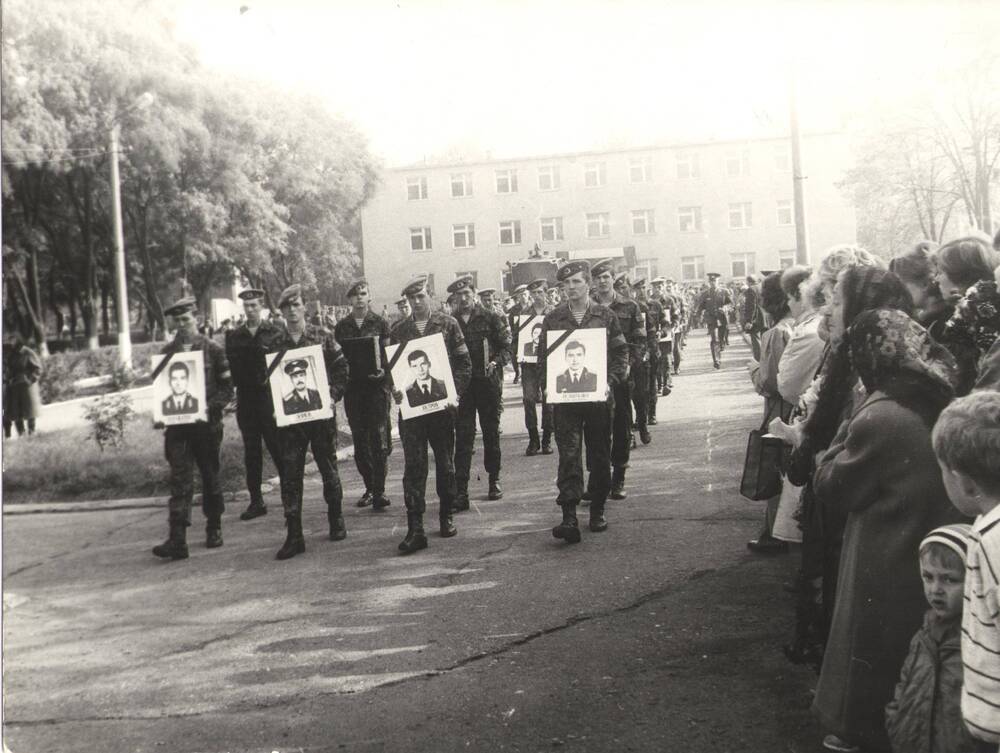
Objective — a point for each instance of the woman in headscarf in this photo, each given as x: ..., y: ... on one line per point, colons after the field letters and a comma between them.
x: 883, y: 476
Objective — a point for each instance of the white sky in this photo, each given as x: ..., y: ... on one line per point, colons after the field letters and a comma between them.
x: 426, y: 78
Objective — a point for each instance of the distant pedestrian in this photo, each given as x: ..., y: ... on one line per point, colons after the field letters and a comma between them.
x: 22, y: 399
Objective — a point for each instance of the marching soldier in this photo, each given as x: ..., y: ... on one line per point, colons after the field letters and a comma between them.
x: 632, y: 328
x: 668, y: 325
x: 521, y: 302
x: 188, y: 444
x: 245, y: 349
x: 403, y: 307
x: 366, y: 400
x: 531, y: 384
x: 639, y: 377
x: 320, y: 436
x: 580, y: 425
x: 436, y: 429
x: 654, y: 320
x: 488, y: 340
x: 715, y: 303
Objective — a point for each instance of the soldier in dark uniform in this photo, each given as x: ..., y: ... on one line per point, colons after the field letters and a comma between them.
x: 189, y: 444
x: 436, y: 429
x: 654, y: 321
x: 320, y: 435
x: 521, y: 302
x: 714, y: 302
x: 531, y: 385
x: 670, y: 324
x: 245, y: 349
x: 680, y: 321
x: 630, y: 323
x: 366, y: 400
x: 580, y: 425
x: 639, y: 377
x: 488, y: 340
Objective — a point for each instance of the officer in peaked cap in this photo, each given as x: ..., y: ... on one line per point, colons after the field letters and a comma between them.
x: 714, y: 303
x: 521, y: 300
x: 187, y: 445
x: 531, y: 386
x: 367, y: 397
x: 488, y: 340
x: 245, y: 349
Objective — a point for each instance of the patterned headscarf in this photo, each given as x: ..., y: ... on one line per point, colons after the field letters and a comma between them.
x: 886, y: 343
x: 976, y: 321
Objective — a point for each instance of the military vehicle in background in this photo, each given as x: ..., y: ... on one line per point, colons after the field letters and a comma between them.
x: 540, y: 264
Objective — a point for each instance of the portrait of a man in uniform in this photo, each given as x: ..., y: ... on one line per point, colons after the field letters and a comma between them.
x: 180, y: 400
x: 302, y: 398
x: 576, y: 377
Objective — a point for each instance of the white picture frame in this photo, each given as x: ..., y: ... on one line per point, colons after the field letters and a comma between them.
x: 422, y: 363
x: 179, y: 388
x: 577, y: 366
x: 300, y: 390
x: 528, y: 326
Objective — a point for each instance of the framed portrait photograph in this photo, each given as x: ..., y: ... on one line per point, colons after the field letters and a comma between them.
x: 577, y: 365
x: 179, y: 388
x: 422, y: 372
x: 529, y: 327
x: 299, y: 387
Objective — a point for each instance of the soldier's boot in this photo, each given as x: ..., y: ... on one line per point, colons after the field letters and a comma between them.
x: 546, y: 442
x: 175, y: 547
x: 367, y: 499
x: 533, y: 445
x: 644, y: 435
x: 569, y: 529
x: 447, y: 525
x: 415, y: 539
x: 496, y: 492
x: 461, y: 502
x: 255, y: 510
x: 335, y: 517
x: 380, y: 501
x: 213, y: 533
x: 598, y: 522
x: 618, y: 483
x: 295, y: 543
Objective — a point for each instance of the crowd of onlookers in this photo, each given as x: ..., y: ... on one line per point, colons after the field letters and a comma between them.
x: 882, y: 380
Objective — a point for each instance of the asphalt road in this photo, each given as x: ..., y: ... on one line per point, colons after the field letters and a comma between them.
x: 661, y: 634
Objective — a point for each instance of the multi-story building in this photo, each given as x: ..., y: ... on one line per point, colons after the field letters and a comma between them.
x: 686, y: 209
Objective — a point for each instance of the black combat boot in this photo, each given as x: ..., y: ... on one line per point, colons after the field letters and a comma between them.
x: 618, y: 483
x: 461, y: 503
x: 255, y: 510
x: 338, y: 531
x: 380, y: 501
x: 444, y: 519
x: 366, y: 499
x: 569, y: 529
x: 175, y: 547
x: 213, y: 533
x: 415, y: 539
x: 533, y: 445
x: 496, y: 492
x: 644, y: 435
x: 294, y: 541
x: 598, y: 522
x: 546, y: 442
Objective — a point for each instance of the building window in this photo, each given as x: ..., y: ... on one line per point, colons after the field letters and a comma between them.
x: 595, y: 174
x: 640, y: 170
x: 416, y: 188
x: 464, y: 235
x: 506, y: 181
x: 510, y: 233
x: 739, y: 216
x: 687, y: 165
x: 689, y: 219
x: 598, y: 225
x: 420, y: 239
x: 643, y: 222
x: 548, y: 178
x: 552, y: 228
x: 472, y: 273
x: 784, y: 213
x: 645, y: 269
x: 743, y: 264
x: 461, y: 185
x: 782, y: 158
x: 692, y: 267
x: 738, y: 163
x: 786, y: 258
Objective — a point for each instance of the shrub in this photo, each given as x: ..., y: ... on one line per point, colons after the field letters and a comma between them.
x: 108, y: 415
x: 61, y: 370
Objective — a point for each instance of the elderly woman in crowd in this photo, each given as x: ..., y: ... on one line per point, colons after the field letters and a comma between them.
x: 882, y: 475
x: 917, y: 270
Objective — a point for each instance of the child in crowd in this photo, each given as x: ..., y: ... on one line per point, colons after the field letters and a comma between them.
x: 967, y: 443
x: 925, y: 713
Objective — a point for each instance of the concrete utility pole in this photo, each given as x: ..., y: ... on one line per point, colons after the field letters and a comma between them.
x: 798, y: 190
x: 124, y: 332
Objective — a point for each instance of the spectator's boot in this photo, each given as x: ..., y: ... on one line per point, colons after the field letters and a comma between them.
x: 415, y: 539
x: 532, y: 443
x: 461, y: 503
x: 380, y: 501
x: 447, y: 525
x: 598, y: 522
x: 496, y: 492
x: 569, y: 529
x: 213, y: 533
x: 367, y: 499
x: 334, y: 515
x: 175, y: 547
x: 295, y: 543
x: 546, y: 442
x: 256, y: 509
x: 618, y: 483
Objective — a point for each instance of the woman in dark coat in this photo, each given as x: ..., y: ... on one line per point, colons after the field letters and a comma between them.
x: 883, y: 474
x: 22, y: 400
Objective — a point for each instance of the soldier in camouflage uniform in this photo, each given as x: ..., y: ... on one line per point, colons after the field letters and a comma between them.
x: 186, y: 445
x: 436, y: 429
x: 580, y: 425
x: 320, y: 435
x: 488, y: 340
x: 531, y: 385
x: 639, y: 376
x: 521, y: 302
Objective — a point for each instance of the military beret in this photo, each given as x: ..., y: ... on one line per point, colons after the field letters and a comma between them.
x: 184, y: 305
x: 289, y: 294
x: 605, y: 266
x: 519, y: 289
x: 401, y: 301
x: 621, y: 278
x: 415, y: 285
x: 487, y: 291
x: 463, y: 282
x: 540, y: 284
x: 251, y: 294
x: 713, y: 275
x: 766, y: 272
x: 353, y: 290
x: 294, y: 366
x: 658, y: 280
x: 640, y: 283
x: 571, y: 268
x: 669, y: 280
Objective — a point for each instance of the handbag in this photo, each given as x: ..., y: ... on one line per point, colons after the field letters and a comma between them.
x: 762, y: 466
